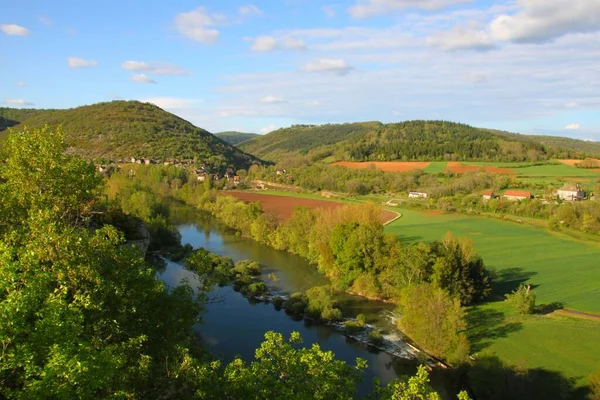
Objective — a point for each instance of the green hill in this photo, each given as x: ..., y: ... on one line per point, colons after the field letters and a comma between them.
x: 124, y: 129
x: 235, y: 138
x: 411, y: 140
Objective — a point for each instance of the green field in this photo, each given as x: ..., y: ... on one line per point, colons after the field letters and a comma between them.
x: 560, y: 269
x: 435, y: 167
x: 553, y: 170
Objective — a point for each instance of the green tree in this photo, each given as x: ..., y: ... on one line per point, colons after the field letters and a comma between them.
x: 523, y: 299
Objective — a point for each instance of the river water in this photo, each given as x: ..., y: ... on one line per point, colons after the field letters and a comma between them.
x: 234, y: 325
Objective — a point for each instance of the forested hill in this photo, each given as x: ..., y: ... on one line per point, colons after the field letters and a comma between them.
x: 235, y: 138
x: 124, y: 129
x: 411, y: 140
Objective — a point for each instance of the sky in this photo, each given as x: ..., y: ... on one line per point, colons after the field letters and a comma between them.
x: 527, y: 66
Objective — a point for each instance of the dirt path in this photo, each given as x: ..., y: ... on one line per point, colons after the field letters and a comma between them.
x: 566, y: 312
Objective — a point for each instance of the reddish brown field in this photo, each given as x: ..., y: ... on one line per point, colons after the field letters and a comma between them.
x: 573, y: 162
x: 386, y: 166
x: 458, y: 168
x: 283, y: 206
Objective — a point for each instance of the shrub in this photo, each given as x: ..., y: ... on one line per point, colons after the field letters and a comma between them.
x: 361, y: 320
x: 375, y: 337
x: 523, y: 299
x: 351, y: 327
x: 247, y: 267
x: 296, y: 303
x: 278, y: 302
x: 594, y: 386
x: 257, y: 289
x: 331, y: 314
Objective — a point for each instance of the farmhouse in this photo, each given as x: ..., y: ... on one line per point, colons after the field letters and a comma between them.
x: 516, y: 195
x: 570, y: 192
x: 489, y: 194
x: 417, y: 195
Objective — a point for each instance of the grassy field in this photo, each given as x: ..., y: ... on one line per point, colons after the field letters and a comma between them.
x: 526, y: 170
x: 566, y: 346
x: 436, y: 167
x: 559, y: 268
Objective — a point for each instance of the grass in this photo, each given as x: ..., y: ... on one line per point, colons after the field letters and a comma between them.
x: 560, y: 269
x: 555, y: 171
x: 435, y: 167
x: 562, y: 344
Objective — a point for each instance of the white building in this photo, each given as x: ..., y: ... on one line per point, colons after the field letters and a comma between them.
x: 417, y: 195
x: 570, y: 192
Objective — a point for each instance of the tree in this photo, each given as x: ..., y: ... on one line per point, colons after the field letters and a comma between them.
x: 434, y: 319
x: 523, y: 299
x: 594, y: 386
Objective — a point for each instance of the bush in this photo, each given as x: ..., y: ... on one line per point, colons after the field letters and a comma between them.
x: 297, y: 303
x: 242, y: 282
x: 331, y: 314
x: 361, y: 320
x: 278, y: 302
x: 257, y: 289
x: 375, y: 337
x: 247, y: 267
x: 523, y: 299
x: 351, y: 327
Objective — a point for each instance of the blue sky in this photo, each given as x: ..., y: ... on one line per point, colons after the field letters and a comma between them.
x: 529, y: 66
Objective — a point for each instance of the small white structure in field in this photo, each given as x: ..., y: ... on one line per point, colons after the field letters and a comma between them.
x: 417, y: 195
x: 570, y: 192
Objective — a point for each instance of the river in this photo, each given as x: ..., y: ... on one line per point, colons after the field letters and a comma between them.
x: 234, y: 325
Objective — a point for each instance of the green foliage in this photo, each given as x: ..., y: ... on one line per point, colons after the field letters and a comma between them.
x: 410, y: 140
x: 213, y: 269
x: 375, y: 337
x: 413, y: 388
x: 435, y: 320
x: 351, y: 327
x: 522, y: 299
x: 594, y: 386
x: 361, y: 320
x: 257, y: 289
x: 281, y: 371
x: 297, y: 303
x: 124, y: 129
x: 235, y: 138
x: 247, y: 267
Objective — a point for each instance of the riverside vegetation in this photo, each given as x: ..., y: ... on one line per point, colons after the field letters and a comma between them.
x: 83, y: 316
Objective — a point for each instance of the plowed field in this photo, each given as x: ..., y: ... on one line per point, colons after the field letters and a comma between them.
x: 283, y: 206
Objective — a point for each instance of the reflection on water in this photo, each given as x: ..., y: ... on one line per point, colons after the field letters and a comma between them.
x: 233, y: 325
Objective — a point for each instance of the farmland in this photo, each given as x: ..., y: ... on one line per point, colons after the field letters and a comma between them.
x: 283, y: 206
x: 460, y: 168
x: 558, y: 268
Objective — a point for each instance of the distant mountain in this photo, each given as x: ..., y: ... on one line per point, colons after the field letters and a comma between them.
x: 235, y: 138
x: 124, y: 129
x: 411, y: 140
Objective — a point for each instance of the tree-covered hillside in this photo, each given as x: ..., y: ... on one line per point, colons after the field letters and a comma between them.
x: 235, y: 138
x: 411, y: 140
x: 124, y: 129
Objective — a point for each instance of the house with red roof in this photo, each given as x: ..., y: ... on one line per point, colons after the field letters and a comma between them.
x: 516, y: 195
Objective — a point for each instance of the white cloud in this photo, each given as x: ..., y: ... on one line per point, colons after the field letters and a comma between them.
x: 328, y: 65
x: 250, y: 9
x: 21, y: 84
x: 572, y: 127
x: 272, y: 99
x: 14, y: 30
x: 459, y: 38
x: 268, y: 128
x: 369, y: 8
x: 141, y: 78
x: 76, y: 62
x: 196, y: 25
x: 45, y: 20
x: 154, y: 68
x: 543, y: 20
x: 270, y: 43
x: 171, y: 102
x: 264, y: 43
x: 17, y: 102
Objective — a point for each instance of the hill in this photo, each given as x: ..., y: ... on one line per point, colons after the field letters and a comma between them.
x: 235, y: 138
x: 124, y: 129
x: 410, y: 140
